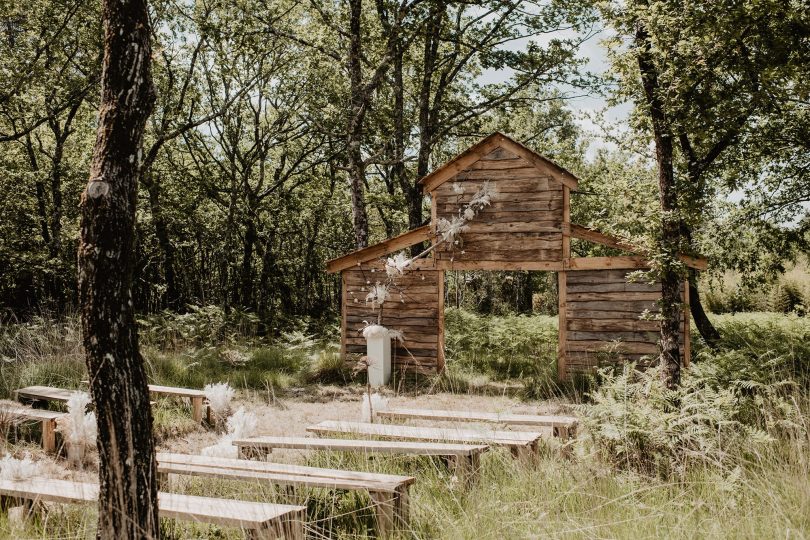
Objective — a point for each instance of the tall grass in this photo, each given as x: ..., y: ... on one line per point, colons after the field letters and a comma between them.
x: 731, y: 454
x: 43, y: 351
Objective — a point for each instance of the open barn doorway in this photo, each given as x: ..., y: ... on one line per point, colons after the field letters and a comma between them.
x: 501, y: 325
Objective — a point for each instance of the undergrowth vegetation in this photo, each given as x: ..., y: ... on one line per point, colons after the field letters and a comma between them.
x: 724, y: 456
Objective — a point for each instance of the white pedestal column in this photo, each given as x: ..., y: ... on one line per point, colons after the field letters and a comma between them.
x: 378, y: 350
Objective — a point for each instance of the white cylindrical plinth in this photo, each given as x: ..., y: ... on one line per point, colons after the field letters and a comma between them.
x: 378, y: 350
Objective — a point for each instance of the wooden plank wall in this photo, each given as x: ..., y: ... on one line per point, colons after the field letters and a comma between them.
x: 601, y: 307
x: 522, y: 225
x: 415, y: 308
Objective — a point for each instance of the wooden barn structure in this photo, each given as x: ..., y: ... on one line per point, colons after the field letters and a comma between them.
x: 527, y: 226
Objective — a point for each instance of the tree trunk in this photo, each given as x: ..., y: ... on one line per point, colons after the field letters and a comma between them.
x: 173, y: 297
x: 247, y: 298
x: 670, y: 240
x: 127, y: 469
x: 354, y: 130
x: 707, y: 330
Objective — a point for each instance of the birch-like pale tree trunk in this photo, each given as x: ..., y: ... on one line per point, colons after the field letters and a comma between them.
x: 127, y: 467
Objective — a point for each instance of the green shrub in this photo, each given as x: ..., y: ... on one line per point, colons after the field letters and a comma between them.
x: 328, y: 367
x: 504, y: 347
x: 734, y: 301
x: 789, y: 298
x: 763, y: 347
x: 200, y: 325
x: 713, y: 419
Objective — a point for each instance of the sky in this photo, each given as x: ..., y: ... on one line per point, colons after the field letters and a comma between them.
x: 584, y: 107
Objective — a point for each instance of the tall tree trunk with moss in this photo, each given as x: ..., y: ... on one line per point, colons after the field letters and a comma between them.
x: 127, y: 468
x: 670, y: 232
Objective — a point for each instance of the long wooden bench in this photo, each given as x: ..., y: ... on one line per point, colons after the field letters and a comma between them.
x: 563, y: 427
x: 466, y: 458
x: 259, y: 520
x: 521, y: 443
x: 34, y: 394
x: 389, y: 493
x: 19, y: 413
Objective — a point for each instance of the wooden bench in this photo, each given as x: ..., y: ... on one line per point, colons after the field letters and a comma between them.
x: 259, y: 520
x: 389, y: 493
x: 197, y: 398
x: 20, y: 413
x: 564, y: 427
x: 521, y: 443
x: 465, y: 458
x: 35, y: 394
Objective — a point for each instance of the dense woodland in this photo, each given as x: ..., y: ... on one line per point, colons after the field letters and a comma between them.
x: 288, y: 133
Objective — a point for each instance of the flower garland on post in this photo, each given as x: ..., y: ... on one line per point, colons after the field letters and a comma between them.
x: 447, y: 232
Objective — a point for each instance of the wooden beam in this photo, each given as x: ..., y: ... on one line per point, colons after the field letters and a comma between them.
x: 459, y: 163
x: 590, y: 235
x: 554, y: 266
x: 605, y: 263
x: 405, y: 240
x: 584, y: 233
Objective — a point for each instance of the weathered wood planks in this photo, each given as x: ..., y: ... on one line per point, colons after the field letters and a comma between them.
x: 414, y: 308
x: 523, y: 223
x: 608, y: 319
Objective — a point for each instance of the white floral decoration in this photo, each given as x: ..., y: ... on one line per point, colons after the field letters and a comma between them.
x: 378, y: 295
x: 15, y: 469
x: 219, y: 398
x: 397, y: 265
x: 78, y: 427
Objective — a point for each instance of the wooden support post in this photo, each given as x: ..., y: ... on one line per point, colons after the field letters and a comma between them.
x: 344, y: 308
x: 440, y: 346
x: 465, y: 467
x: 384, y: 510
x: 562, y: 367
x: 49, y: 435
x: 289, y: 529
x: 687, y: 331
x: 197, y: 408
x: 562, y: 284
x: 163, y: 480
x: 402, y: 507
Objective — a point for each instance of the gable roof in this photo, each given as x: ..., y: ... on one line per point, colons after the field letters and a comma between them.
x: 386, y: 247
x: 477, y: 151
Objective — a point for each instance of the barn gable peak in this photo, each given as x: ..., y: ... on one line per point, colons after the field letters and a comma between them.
x: 486, y: 146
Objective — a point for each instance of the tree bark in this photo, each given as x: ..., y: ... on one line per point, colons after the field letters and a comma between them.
x: 354, y: 130
x: 127, y: 469
x: 670, y: 232
x: 707, y: 330
x: 173, y: 297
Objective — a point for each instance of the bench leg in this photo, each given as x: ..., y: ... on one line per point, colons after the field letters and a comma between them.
x: 402, y: 507
x: 49, y: 435
x: 384, y: 504
x: 526, y: 454
x: 18, y: 509
x: 291, y: 528
x: 197, y: 409
x: 466, y: 467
